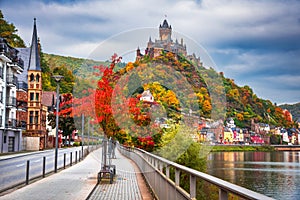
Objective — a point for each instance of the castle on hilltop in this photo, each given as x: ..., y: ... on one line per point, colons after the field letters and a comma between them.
x: 165, y: 43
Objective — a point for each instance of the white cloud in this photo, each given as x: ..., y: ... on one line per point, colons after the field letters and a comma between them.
x: 249, y: 37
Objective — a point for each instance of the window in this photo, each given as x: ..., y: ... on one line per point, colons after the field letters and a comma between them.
x: 36, y: 120
x: 31, y: 96
x: 31, y: 117
x: 37, y: 96
x: 31, y: 77
x: 37, y: 78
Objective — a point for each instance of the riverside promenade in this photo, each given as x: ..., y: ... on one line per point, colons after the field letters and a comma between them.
x: 80, y: 182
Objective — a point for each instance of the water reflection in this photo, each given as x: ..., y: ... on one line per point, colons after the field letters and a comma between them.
x: 275, y: 174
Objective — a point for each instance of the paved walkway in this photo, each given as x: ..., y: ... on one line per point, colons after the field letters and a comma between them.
x: 125, y: 186
x: 78, y: 181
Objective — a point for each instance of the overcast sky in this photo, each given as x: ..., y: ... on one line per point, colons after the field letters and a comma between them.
x: 256, y: 43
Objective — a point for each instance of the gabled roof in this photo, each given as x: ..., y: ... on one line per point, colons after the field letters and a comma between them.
x: 147, y: 93
x: 48, y: 98
x: 34, y: 60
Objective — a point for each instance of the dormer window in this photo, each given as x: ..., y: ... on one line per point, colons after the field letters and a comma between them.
x: 31, y: 77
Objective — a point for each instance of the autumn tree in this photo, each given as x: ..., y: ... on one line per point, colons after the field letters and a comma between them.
x: 8, y: 31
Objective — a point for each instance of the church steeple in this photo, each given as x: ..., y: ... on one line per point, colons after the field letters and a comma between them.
x: 34, y: 60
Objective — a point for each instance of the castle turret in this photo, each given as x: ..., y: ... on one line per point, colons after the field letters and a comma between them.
x: 165, y: 31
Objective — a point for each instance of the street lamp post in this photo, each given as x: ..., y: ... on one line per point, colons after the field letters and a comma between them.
x: 57, y: 79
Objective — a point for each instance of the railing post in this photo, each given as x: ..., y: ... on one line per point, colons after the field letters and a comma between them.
x: 70, y: 158
x: 79, y: 155
x: 177, y: 177
x: 27, y: 172
x: 75, y: 156
x: 192, y: 186
x: 161, y: 166
x: 223, y: 195
x: 44, y: 166
x: 64, y: 160
x: 168, y: 171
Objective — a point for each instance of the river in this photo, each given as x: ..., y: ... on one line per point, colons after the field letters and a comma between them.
x: 275, y: 174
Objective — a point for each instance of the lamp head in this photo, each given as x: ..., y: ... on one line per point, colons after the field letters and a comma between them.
x: 57, y: 78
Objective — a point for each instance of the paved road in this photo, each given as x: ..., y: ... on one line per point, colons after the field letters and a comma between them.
x: 74, y: 183
x: 13, y: 170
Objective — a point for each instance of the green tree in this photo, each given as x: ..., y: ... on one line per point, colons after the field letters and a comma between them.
x: 8, y: 31
x: 67, y: 83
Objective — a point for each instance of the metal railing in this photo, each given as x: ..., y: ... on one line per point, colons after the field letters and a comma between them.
x: 11, y: 123
x: 1, y: 72
x: 11, y: 79
x: 19, y: 62
x: 157, y: 172
x: 11, y: 101
x: 32, y: 170
x: 21, y: 124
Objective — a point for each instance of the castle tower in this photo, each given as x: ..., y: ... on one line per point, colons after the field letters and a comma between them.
x: 34, y: 77
x: 165, y: 31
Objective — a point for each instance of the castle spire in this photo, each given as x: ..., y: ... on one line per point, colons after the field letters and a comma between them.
x: 34, y: 60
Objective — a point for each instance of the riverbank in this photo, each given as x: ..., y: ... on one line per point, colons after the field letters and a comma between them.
x: 228, y: 148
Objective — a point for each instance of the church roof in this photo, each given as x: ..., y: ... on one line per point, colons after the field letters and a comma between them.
x: 34, y: 60
x: 165, y: 24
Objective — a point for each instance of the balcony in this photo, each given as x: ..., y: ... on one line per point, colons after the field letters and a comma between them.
x: 21, y: 124
x: 17, y: 64
x: 11, y: 80
x: 11, y: 123
x: 22, y: 86
x: 4, y: 50
x: 11, y: 102
x: 21, y: 105
x: 10, y: 54
x: 1, y: 72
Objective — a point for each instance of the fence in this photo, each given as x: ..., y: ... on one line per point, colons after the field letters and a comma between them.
x: 164, y: 178
x: 39, y: 166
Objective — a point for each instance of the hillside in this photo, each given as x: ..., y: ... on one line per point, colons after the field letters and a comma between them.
x: 79, y: 66
x: 294, y: 109
x: 241, y: 103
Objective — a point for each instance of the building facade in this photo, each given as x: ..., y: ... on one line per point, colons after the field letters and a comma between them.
x: 10, y: 128
x: 35, y: 135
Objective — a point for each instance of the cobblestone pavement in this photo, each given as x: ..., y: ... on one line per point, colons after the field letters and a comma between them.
x: 125, y: 185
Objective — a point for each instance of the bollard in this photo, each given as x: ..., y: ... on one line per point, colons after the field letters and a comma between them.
x: 27, y: 172
x: 64, y: 160
x: 75, y: 156
x: 70, y: 158
x: 44, y: 166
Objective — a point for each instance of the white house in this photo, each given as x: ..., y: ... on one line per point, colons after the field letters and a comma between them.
x: 147, y: 96
x: 10, y: 66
